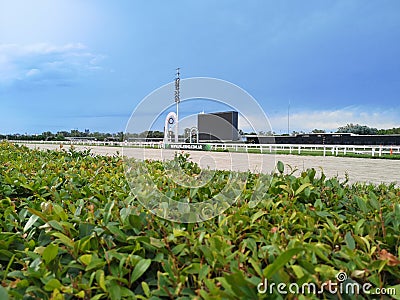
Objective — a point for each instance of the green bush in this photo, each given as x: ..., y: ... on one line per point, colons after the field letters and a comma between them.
x: 70, y: 229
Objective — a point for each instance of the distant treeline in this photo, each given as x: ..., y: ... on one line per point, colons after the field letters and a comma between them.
x: 120, y: 136
x: 365, y: 130
x: 64, y: 135
x: 389, y: 131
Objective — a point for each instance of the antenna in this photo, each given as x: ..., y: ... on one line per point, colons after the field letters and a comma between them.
x: 288, y: 118
x: 177, y: 100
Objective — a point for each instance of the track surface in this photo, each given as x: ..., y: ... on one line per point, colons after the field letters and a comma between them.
x: 358, y: 169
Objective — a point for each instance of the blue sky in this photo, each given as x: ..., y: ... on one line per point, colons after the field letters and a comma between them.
x: 71, y: 64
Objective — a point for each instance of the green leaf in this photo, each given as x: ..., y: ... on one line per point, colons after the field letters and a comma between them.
x: 86, y: 259
x: 350, y: 241
x: 146, y: 289
x: 207, y: 254
x: 361, y: 204
x: 63, y: 239
x: 135, y: 221
x: 397, y: 209
x: 373, y: 200
x: 127, y: 293
x: 52, y: 284
x: 323, y: 214
x: 108, y: 209
x: 118, y: 233
x: 256, y: 266
x: 80, y: 294
x: 298, y: 271
x: 179, y: 232
x: 59, y: 211
x: 193, y: 192
x: 101, y: 280
x: 280, y: 166
x: 31, y: 221
x: 178, y: 249
x: 50, y: 253
x: 257, y: 215
x: 359, y: 225
x: 157, y: 243
x: 97, y: 297
x: 139, y: 269
x: 3, y: 293
x: 193, y: 268
x: 204, y: 270
x: 56, y: 225
x: 114, y: 291
x: 239, y: 286
x: 280, y: 261
x: 396, y: 293
x: 95, y: 263
x: 37, y: 213
x: 302, y: 187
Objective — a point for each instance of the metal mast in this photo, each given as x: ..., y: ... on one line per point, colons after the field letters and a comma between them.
x: 288, y: 118
x: 177, y: 100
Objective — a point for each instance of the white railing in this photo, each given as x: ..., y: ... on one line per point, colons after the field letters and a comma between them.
x: 334, y: 150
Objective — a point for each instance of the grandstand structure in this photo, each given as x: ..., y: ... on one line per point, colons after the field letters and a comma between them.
x: 326, y: 139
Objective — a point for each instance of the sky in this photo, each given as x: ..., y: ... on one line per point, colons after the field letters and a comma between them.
x: 70, y: 64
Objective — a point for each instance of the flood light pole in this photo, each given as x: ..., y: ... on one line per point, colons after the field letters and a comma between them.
x: 177, y: 100
x: 288, y: 118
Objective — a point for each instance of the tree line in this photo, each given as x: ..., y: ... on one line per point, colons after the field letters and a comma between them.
x: 120, y: 136
x: 64, y: 135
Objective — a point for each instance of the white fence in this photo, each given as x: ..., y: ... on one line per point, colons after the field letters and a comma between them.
x: 334, y: 150
x: 325, y: 150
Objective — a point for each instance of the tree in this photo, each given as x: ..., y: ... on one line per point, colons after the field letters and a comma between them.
x: 357, y: 129
x: 295, y: 133
x: 120, y: 136
x: 186, y: 132
x: 318, y: 131
x: 389, y: 131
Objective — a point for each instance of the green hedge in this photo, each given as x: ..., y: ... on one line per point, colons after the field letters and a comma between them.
x: 69, y: 229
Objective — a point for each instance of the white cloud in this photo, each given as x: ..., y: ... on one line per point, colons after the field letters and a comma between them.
x: 330, y: 120
x: 32, y: 72
x: 45, y: 63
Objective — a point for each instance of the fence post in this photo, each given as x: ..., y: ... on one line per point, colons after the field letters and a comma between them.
x: 299, y: 149
x: 324, y: 150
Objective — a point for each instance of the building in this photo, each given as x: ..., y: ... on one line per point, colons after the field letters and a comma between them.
x: 218, y: 127
x: 326, y: 139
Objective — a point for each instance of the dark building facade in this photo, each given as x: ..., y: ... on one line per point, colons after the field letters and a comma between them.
x: 218, y: 127
x: 327, y: 139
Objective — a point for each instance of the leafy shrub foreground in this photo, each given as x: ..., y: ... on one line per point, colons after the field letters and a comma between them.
x: 71, y: 230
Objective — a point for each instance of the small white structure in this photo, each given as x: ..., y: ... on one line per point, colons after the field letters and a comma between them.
x: 171, y: 126
x: 193, y: 131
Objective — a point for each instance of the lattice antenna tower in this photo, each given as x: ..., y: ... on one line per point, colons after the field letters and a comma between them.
x: 177, y: 97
